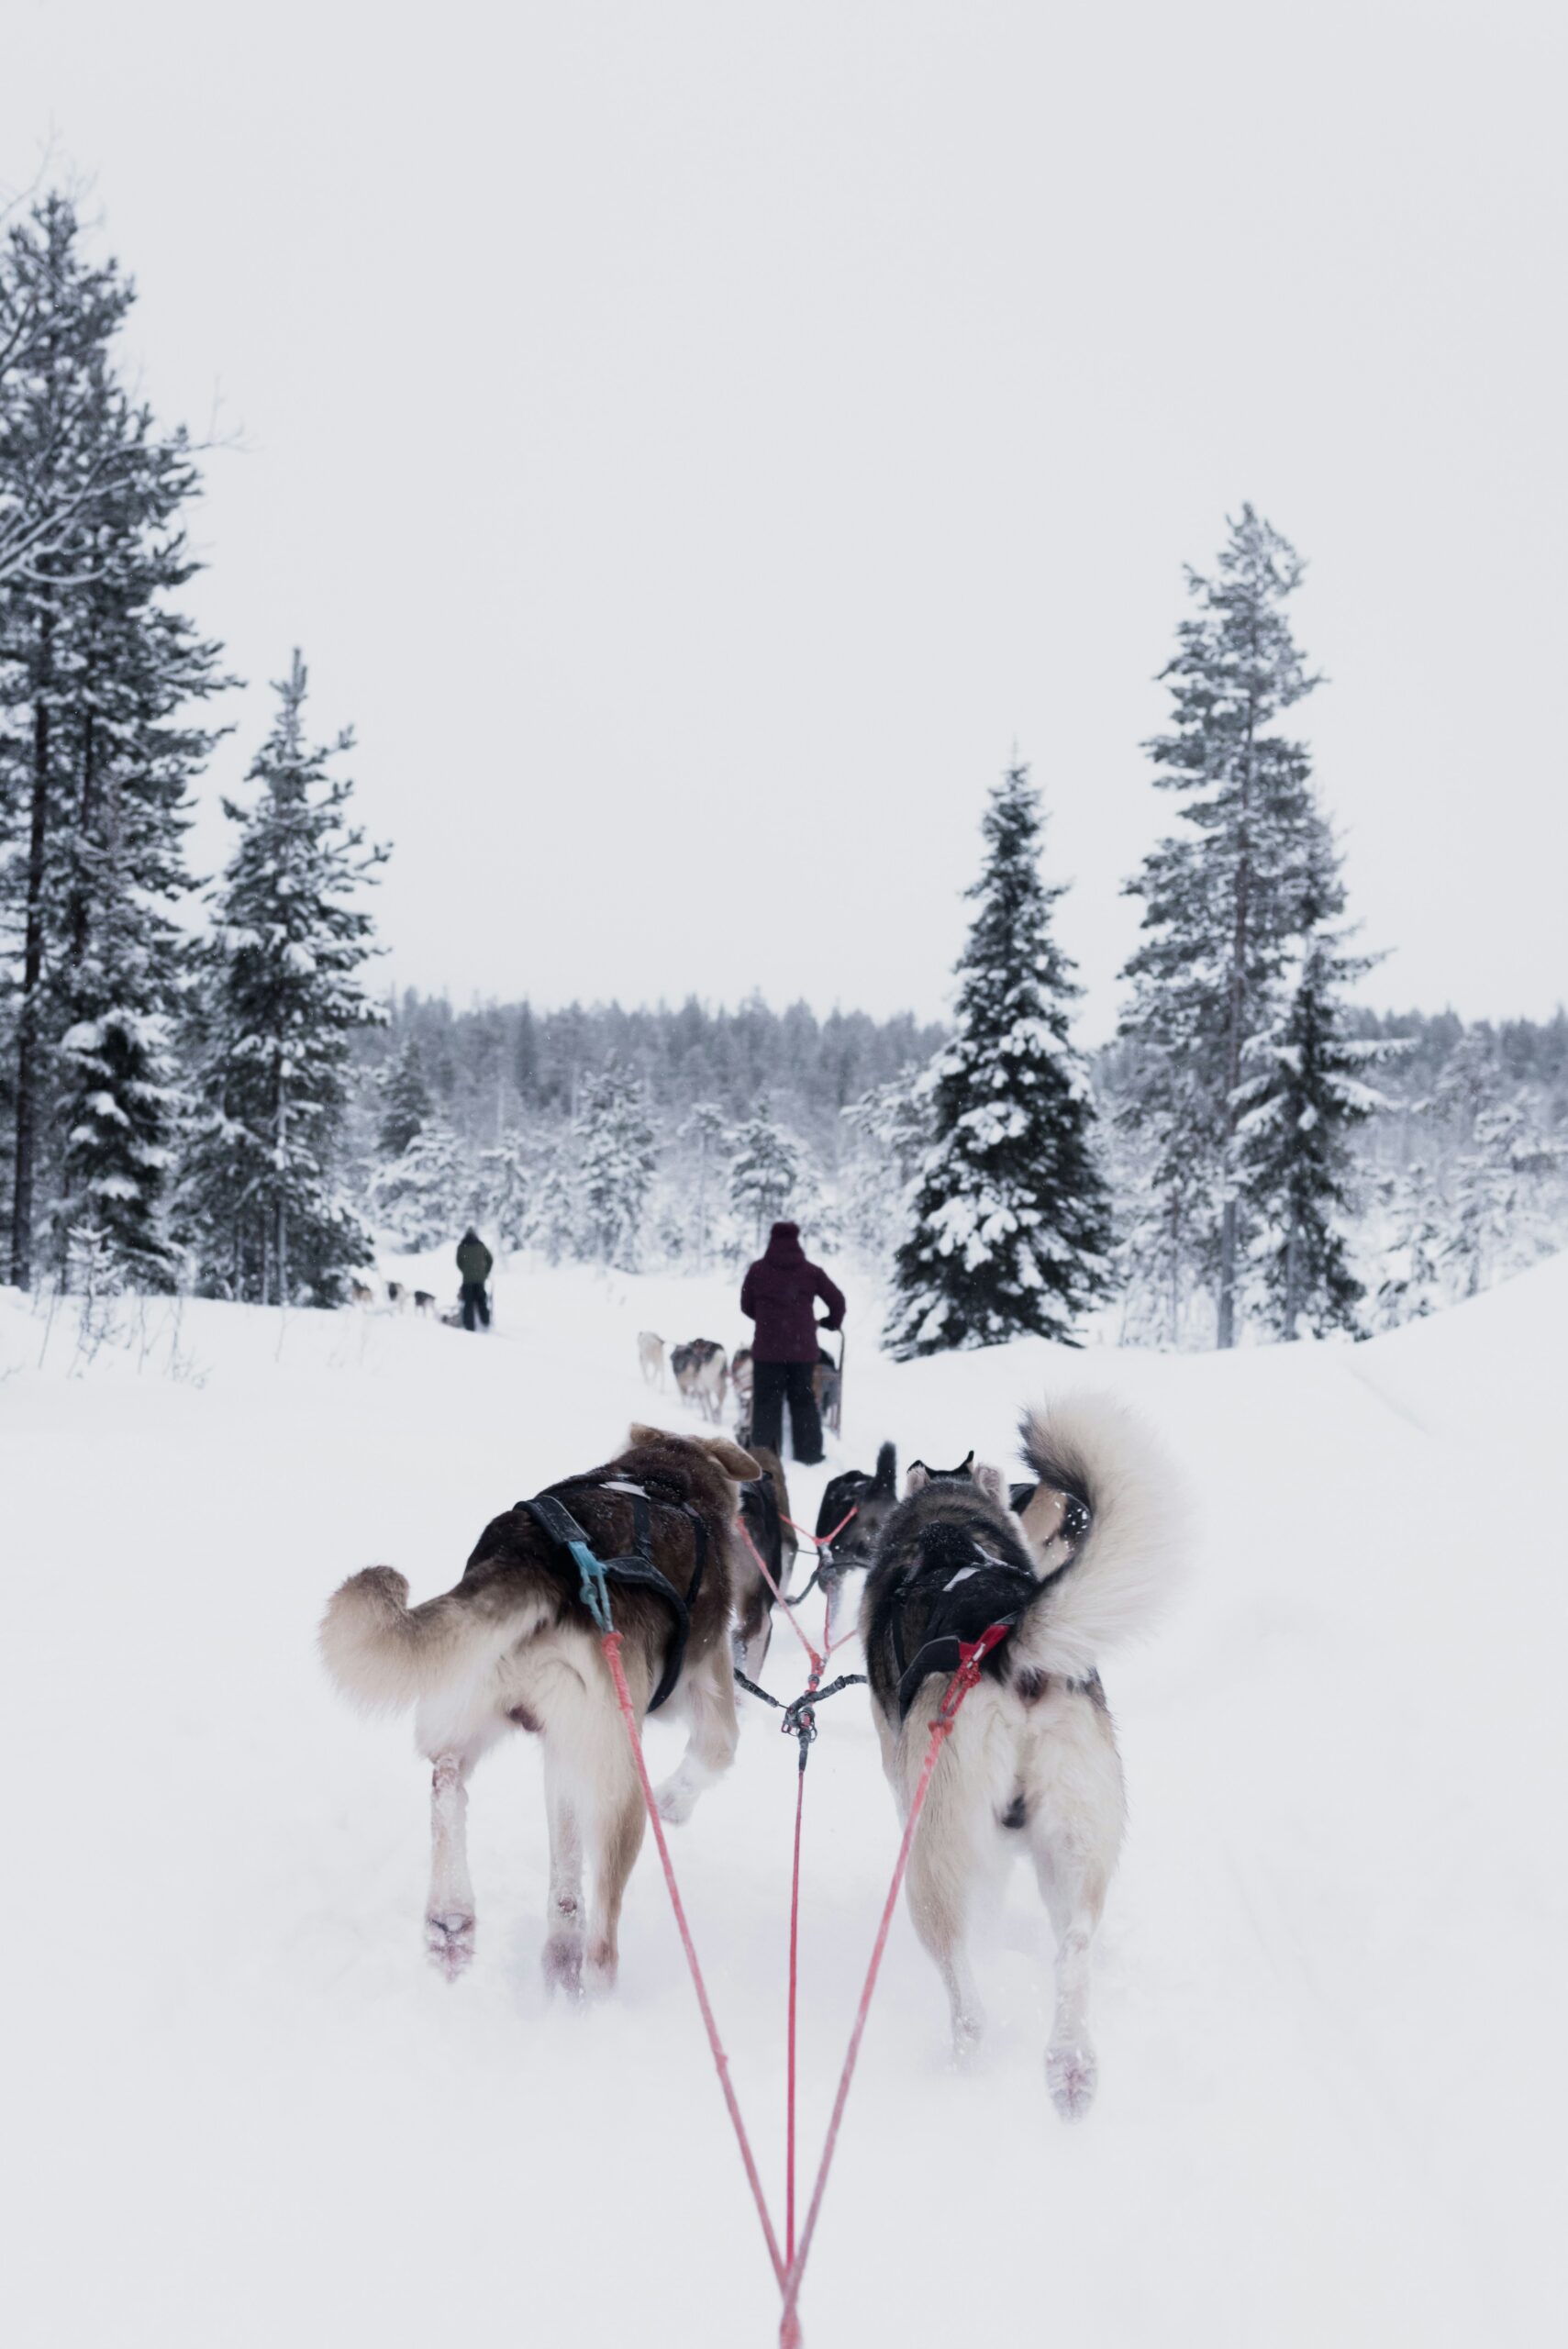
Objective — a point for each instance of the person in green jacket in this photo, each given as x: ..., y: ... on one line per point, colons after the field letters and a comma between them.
x: 473, y: 1263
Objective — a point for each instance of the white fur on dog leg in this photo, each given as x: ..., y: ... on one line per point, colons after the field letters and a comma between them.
x: 1072, y: 2074
x: 676, y: 1799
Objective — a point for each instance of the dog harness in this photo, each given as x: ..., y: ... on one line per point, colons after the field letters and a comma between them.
x: 635, y: 1567
x: 988, y: 1591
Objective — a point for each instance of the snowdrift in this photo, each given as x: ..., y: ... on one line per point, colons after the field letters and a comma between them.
x: 1329, y: 1983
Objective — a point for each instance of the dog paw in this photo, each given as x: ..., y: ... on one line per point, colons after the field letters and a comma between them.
x: 1071, y: 2075
x: 448, y: 1942
x: 968, y: 2030
x: 562, y: 1964
x: 676, y: 1802
x: 600, y: 1969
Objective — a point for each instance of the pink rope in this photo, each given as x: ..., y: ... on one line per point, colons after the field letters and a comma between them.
x: 958, y: 1689
x: 611, y: 1645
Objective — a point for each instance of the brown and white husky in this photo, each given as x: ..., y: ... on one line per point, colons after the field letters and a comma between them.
x: 513, y: 1647
x: 1031, y: 1764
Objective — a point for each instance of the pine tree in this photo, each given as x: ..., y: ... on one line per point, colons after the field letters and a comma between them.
x: 423, y: 1197
x: 704, y: 1131
x: 764, y: 1171
x: 1221, y: 900
x: 617, y: 1162
x: 502, y: 1190
x: 1411, y: 1284
x: 554, y: 1224
x: 282, y: 994
x: 95, y: 763
x: 406, y: 1104
x: 1011, y: 1219
x: 1304, y: 1096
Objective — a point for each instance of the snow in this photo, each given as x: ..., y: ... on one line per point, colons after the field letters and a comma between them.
x: 1328, y: 1989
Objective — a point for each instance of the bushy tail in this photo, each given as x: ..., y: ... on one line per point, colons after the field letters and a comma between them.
x: 384, y: 1654
x: 1127, y: 1565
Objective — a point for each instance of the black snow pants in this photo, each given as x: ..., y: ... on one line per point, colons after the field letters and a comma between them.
x: 475, y: 1302
x: 771, y: 1381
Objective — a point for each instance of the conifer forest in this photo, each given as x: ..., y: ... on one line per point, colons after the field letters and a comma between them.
x: 206, y: 1086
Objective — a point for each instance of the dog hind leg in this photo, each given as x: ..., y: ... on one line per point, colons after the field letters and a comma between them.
x: 1074, y: 1832
x: 945, y: 1868
x: 449, y: 1912
x: 562, y: 1955
x: 617, y: 1839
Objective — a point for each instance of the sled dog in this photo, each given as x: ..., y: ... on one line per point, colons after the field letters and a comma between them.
x: 514, y: 1647
x: 425, y: 1304
x: 397, y: 1295
x: 650, y: 1355
x: 872, y: 1499
x: 764, y: 1506
x: 1031, y: 1764
x: 699, y: 1370
x: 742, y: 1377
x: 360, y: 1295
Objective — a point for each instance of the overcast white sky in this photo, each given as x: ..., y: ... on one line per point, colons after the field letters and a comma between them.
x: 692, y: 443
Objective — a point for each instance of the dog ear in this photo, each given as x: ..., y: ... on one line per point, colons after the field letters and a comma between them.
x: 636, y: 1434
x: 730, y: 1458
x: 919, y: 1476
x: 887, y: 1478
x: 991, y: 1482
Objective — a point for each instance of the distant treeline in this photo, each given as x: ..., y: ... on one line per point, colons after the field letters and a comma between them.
x: 496, y: 1065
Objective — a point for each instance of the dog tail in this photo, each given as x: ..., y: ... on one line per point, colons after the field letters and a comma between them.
x: 385, y: 1655
x: 1127, y: 1564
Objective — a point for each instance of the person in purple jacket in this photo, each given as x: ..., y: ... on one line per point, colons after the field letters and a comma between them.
x: 778, y: 1295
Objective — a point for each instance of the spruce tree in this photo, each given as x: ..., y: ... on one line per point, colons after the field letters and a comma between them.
x: 1011, y: 1219
x: 406, y: 1104
x: 704, y: 1129
x: 283, y: 993
x: 1304, y: 1096
x: 95, y: 762
x: 764, y: 1171
x: 423, y: 1197
x: 1221, y: 897
x: 617, y: 1160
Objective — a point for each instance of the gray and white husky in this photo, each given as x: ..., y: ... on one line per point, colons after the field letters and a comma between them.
x: 513, y: 1647
x: 1031, y: 1764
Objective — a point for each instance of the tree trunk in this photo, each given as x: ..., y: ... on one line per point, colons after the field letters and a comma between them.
x: 1225, y: 1334
x: 29, y: 1018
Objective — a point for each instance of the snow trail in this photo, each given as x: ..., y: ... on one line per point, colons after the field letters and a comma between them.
x: 1328, y: 1999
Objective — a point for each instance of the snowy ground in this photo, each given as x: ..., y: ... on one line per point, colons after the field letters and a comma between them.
x: 1330, y: 1988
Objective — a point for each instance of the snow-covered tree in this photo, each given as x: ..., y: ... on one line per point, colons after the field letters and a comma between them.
x: 765, y: 1167
x: 1303, y: 1095
x: 888, y: 1129
x: 704, y: 1131
x: 554, y: 1221
x: 281, y: 995
x: 406, y: 1104
x: 1410, y: 1267
x: 97, y: 754
x: 500, y: 1194
x: 616, y: 1159
x: 1010, y: 1218
x: 1221, y: 897
x: 423, y: 1197
x: 1495, y: 1220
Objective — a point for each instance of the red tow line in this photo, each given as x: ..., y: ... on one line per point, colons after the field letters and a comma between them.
x: 789, y: 2269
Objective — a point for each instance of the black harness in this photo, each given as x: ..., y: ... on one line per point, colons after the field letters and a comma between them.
x: 979, y: 1589
x: 635, y: 1567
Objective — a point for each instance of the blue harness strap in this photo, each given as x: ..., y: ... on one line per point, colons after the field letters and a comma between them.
x: 636, y: 1568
